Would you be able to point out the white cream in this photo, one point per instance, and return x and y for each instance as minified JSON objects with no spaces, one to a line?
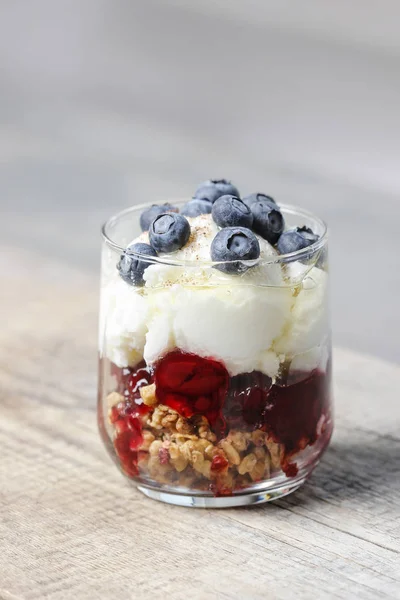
{"x":316,"y":358}
{"x":309,"y":316}
{"x":250,"y":322}
{"x":236,"y":325}
{"x":124,"y":316}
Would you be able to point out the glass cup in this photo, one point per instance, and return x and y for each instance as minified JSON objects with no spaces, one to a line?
{"x":214,"y":389}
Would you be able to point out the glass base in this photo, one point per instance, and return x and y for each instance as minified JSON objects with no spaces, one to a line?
{"x":263,"y":493}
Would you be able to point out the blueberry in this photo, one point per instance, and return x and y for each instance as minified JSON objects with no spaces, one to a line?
{"x":229,"y":211}
{"x":196,"y":207}
{"x":267,"y":220}
{"x":232,"y":243}
{"x":213,"y":189}
{"x":169,"y":232}
{"x":131,"y":267}
{"x":152,"y":212}
{"x":296,"y":239}
{"x":249,"y":200}
{"x":308,"y":234}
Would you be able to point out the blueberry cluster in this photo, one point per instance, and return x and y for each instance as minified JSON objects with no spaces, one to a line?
{"x":168,"y":231}
{"x":240,"y":220}
{"x":236,"y":242}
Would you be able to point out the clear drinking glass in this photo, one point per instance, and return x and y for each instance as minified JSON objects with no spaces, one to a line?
{"x":214,"y":390}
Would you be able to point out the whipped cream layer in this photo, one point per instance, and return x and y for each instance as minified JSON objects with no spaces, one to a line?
{"x":252,"y":321}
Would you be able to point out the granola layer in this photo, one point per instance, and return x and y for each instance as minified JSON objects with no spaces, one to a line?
{"x":185,"y":452}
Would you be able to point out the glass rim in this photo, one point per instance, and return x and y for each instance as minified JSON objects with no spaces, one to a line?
{"x":303,"y":253}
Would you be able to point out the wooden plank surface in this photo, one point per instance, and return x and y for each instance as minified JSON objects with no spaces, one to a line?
{"x":72,"y":527}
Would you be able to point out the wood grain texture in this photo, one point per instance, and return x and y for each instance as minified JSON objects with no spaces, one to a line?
{"x":72,"y":527}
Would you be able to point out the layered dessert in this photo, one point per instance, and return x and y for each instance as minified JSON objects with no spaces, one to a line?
{"x":214,"y":344}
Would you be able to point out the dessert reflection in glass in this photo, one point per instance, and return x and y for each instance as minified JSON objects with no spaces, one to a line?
{"x":215,"y":352}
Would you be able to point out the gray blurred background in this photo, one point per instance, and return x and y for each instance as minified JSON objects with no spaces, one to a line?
{"x":106,"y":103}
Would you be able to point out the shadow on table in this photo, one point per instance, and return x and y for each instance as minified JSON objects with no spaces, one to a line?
{"x":350,"y":470}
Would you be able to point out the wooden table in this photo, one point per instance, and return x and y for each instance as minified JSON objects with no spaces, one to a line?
{"x":72,"y":527}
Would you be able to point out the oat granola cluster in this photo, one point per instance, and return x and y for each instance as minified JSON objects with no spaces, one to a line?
{"x":179,"y":451}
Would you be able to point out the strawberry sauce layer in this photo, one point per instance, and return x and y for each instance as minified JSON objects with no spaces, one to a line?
{"x":125,"y":416}
{"x":290,"y":414}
